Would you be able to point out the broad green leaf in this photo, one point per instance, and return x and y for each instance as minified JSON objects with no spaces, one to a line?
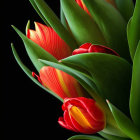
{"x":29,"y":73}
{"x":107,"y":72}
{"x":85,"y":137}
{"x":124,"y":123}
{"x":38,"y":11}
{"x":85,"y":80}
{"x":34,"y":51}
{"x":112,"y":25}
{"x":135,"y":89}
{"x":82,"y":26}
{"x":112,"y":137}
{"x":133,"y":29}
{"x":126,"y":8}
{"x":55,"y":23}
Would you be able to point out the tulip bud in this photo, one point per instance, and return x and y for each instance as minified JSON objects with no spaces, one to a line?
{"x":90,"y":48}
{"x":61,"y":83}
{"x":82,"y":115}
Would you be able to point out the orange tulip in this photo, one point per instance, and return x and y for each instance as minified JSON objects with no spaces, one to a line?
{"x":82,"y":115}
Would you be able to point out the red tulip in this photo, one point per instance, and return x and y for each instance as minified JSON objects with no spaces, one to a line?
{"x":90,"y":48}
{"x":49,"y":40}
{"x":61,"y":83}
{"x":82,"y":115}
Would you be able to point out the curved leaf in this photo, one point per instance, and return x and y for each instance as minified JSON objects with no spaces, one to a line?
{"x":124,"y":123}
{"x":34,"y":51}
{"x":135,"y":89}
{"x":133,"y":29}
{"x":107,"y":72}
{"x":126,"y":8}
{"x":29,"y":73}
{"x":112,"y":25}
{"x":55,"y":23}
{"x":38,"y":11}
{"x":82,"y":26}
{"x":85,"y":137}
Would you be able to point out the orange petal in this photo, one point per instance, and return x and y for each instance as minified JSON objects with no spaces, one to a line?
{"x":60,"y":82}
{"x":49,"y":40}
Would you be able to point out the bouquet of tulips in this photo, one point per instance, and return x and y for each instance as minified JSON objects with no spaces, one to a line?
{"x":90,"y":60}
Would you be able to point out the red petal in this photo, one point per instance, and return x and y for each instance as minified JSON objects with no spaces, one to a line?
{"x":102,"y":49}
{"x":60,"y":82}
{"x":49,"y":40}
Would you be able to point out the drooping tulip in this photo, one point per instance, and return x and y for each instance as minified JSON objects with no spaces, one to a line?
{"x":82,"y":115}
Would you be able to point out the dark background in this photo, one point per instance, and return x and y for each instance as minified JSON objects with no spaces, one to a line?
{"x":29,"y":112}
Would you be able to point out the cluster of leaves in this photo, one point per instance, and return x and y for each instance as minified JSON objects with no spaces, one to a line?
{"x":102,"y":75}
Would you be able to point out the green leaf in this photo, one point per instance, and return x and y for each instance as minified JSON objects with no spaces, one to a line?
{"x":82,"y":26}
{"x":124,"y":123}
{"x":85,"y":137}
{"x":84,"y":79}
{"x":29,"y":73}
{"x":126,"y":8}
{"x":38,"y":11}
{"x":133,"y":29}
{"x":112,"y":25}
{"x":27,"y":27}
{"x":34,"y":51}
{"x":107,"y":73}
{"x":135,"y":89}
{"x":55,"y":23}
{"x":112,"y":137}
{"x":62,"y":17}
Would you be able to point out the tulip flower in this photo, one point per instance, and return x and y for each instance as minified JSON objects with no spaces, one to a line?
{"x":82,"y":115}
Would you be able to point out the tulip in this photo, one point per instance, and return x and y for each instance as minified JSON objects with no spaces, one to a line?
{"x":49,"y":40}
{"x":82,"y":115}
{"x":90,"y":48}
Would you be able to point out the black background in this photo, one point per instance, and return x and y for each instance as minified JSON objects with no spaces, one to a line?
{"x":29,"y":112}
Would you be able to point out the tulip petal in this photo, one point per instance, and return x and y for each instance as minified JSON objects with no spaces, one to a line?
{"x":60,"y":82}
{"x":49,"y":40}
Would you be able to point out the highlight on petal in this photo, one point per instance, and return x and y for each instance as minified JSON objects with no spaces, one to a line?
{"x":90,"y":48}
{"x":82,"y":115}
{"x":60,"y":82}
{"x":49,"y":40}
{"x":82,"y":5}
